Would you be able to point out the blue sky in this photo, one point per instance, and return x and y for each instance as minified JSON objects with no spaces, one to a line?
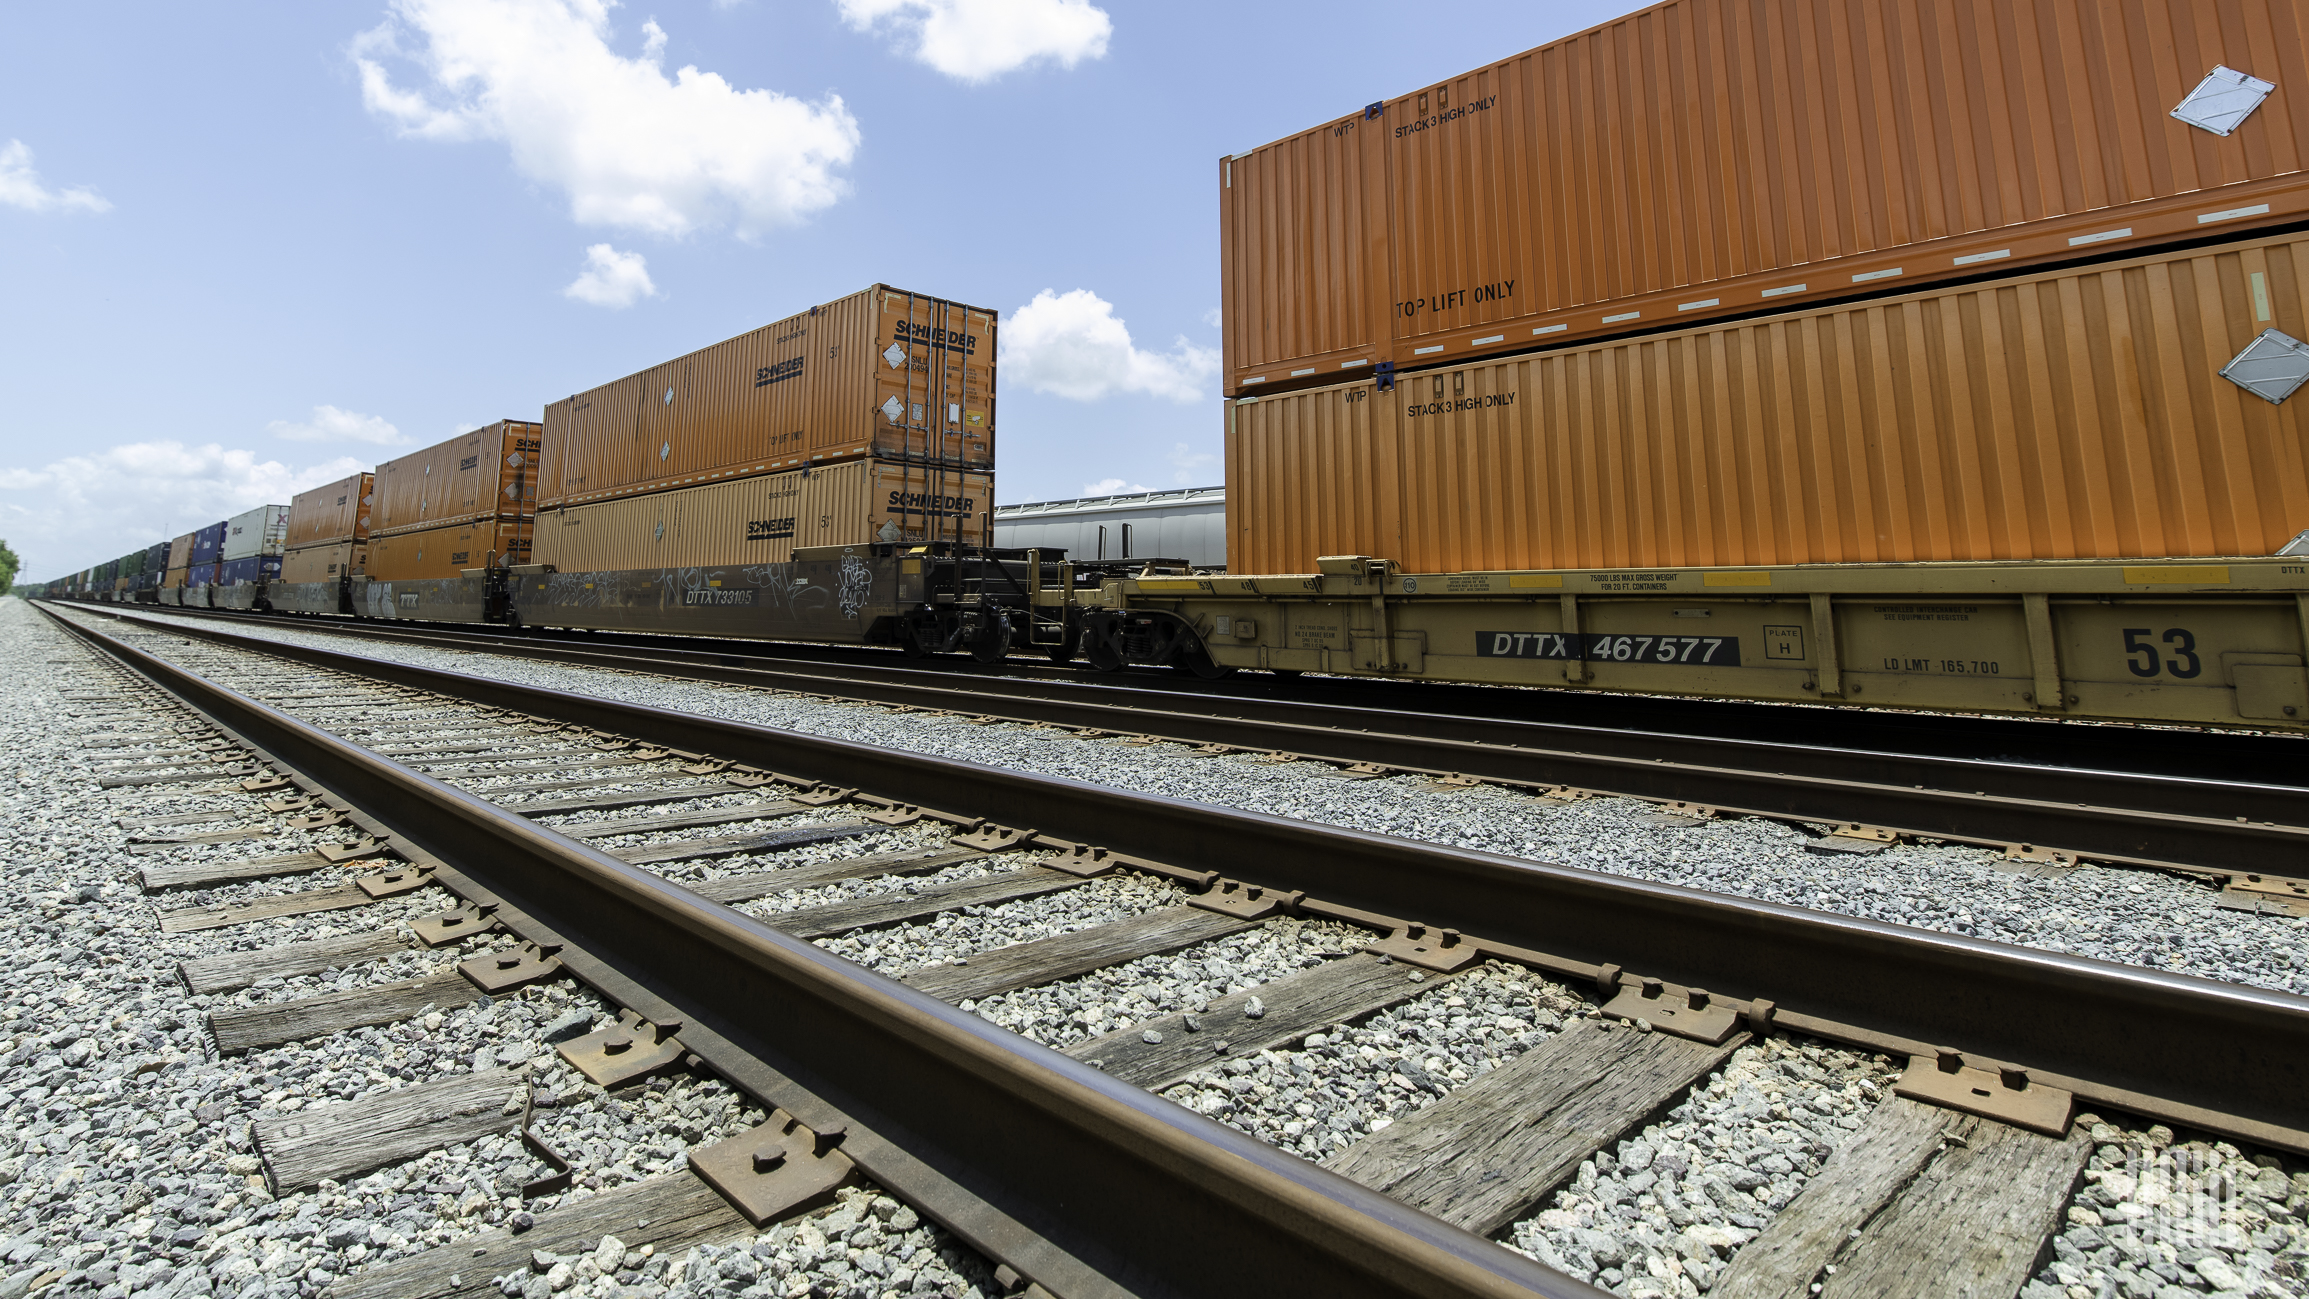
{"x":248,"y":249}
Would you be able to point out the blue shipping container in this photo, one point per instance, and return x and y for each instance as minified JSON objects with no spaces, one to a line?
{"x":201,"y":575}
{"x":255,"y":568}
{"x":206,"y":545}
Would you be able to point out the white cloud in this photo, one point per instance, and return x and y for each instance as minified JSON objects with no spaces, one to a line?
{"x":85,"y":509}
{"x":329,"y":424}
{"x":979,"y":40}
{"x":611,"y":279}
{"x":1190,"y":462}
{"x":20,"y":186}
{"x":1213,"y":318}
{"x":1113,"y":487}
{"x":1072,"y":345}
{"x":631,"y":147}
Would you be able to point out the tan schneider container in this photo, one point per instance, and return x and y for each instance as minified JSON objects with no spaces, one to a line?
{"x":1706,"y":158}
{"x":180,"y":552}
{"x":338,"y":511}
{"x":489,"y":471}
{"x":323,"y":563}
{"x":448,"y":551}
{"x":2056,"y":416}
{"x":880,"y":373}
{"x":171,"y":578}
{"x":761,"y":519}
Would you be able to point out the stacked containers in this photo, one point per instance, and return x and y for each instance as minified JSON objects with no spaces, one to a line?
{"x":328,"y":531}
{"x":469,"y":502}
{"x":866,"y":419}
{"x":2068,"y":411}
{"x":155,"y":566}
{"x":207,"y":550}
{"x":252,"y":546}
{"x":179,"y":560}
{"x":2061,"y":415}
{"x":1712,"y":158}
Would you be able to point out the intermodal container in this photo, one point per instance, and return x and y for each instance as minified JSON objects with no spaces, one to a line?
{"x":761,"y":519}
{"x":180,"y":551}
{"x":339,"y":511}
{"x":883,"y":372}
{"x":247,"y":569}
{"x":1711,"y":158}
{"x":208,"y":544}
{"x":448,"y":551}
{"x":323,"y":563}
{"x":488,"y":472}
{"x":172,"y":579}
{"x":201,"y":574}
{"x":155,"y":563}
{"x":2076,"y":414}
{"x":261,"y":531}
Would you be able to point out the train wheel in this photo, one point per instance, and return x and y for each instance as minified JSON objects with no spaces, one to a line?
{"x":992,"y":645}
{"x":1196,"y":659}
{"x":1067,"y":647}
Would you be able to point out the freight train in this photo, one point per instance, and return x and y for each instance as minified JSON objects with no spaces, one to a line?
{"x":1875,"y":391}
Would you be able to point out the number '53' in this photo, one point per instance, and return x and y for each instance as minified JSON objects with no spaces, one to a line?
{"x":2184,"y":662}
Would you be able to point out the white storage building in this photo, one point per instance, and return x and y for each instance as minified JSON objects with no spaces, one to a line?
{"x":1189,"y":523}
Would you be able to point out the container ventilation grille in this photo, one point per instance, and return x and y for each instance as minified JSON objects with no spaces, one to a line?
{"x":2271,"y":367}
{"x":2223,"y":100}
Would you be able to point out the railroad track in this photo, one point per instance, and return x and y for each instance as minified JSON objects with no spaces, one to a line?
{"x":2248,"y":837}
{"x":1056,"y":1166}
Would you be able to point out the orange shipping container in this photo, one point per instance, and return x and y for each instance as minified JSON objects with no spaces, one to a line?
{"x":883,"y":373}
{"x":761,"y":519}
{"x":339,"y":511}
{"x":180,"y":551}
{"x":2055,"y":416}
{"x":171,"y":578}
{"x":447,"y":551}
{"x":491,"y":470}
{"x":323,"y":563}
{"x":1705,"y":158}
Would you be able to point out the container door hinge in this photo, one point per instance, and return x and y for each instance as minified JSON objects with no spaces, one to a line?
{"x":778,"y":1169}
{"x":1692,"y":1013}
{"x":2004,"y":1093}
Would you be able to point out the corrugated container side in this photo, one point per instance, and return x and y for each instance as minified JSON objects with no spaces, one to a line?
{"x":248,"y":568}
{"x":1714,"y":157}
{"x":180,"y":551}
{"x":490,"y":470}
{"x":760,"y":519}
{"x":1302,"y":259}
{"x":338,"y":511}
{"x":208,"y":543}
{"x":261,"y":531}
{"x":438,"y":552}
{"x":1311,"y":469}
{"x":2056,"y":416}
{"x":323,"y":563}
{"x":882,"y":372}
{"x":201,"y":574}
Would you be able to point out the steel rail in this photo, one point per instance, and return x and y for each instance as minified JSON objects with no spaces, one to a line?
{"x":2221,"y":828}
{"x":1085,"y":1185}
{"x":2215,"y":1056}
{"x":2219,"y":754}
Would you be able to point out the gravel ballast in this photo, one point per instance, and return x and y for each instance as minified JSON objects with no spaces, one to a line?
{"x":1720,"y":1164}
